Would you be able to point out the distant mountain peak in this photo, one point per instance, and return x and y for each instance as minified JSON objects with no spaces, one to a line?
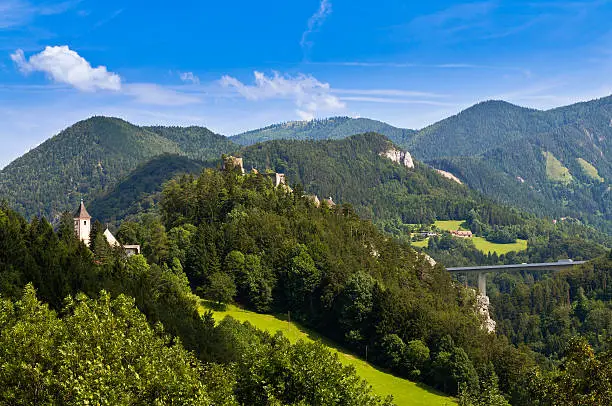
{"x":320,"y":129}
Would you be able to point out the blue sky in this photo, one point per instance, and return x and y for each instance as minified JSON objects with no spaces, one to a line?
{"x":239,"y":65}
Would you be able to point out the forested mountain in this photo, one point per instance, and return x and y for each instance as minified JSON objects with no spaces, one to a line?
{"x":90,"y":157}
{"x":352,"y":170}
{"x":556,"y":162}
{"x":330,"y":128}
{"x":393,"y":196}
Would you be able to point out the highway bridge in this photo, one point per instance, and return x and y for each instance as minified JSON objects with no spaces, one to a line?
{"x":483,"y":270}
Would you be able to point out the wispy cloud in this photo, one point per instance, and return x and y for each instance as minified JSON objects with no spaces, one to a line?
{"x":189,"y":77}
{"x":392,"y":100}
{"x":364,"y":64}
{"x":153,"y":94}
{"x":309,"y":95}
{"x":388,"y":93}
{"x":454,"y":19}
{"x":107,"y":20}
{"x":16,"y":13}
{"x":314,"y":23}
{"x":64,"y":65}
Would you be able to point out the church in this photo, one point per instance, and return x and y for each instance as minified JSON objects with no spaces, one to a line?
{"x":82,"y":229}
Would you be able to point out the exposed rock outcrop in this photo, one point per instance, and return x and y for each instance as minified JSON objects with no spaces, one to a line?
{"x":483,"y":308}
{"x":449,"y":175}
{"x":400,"y":157}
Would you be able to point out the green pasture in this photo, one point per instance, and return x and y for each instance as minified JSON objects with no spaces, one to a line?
{"x":405,"y":392}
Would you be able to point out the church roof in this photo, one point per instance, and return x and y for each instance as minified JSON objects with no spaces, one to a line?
{"x":81,"y":212}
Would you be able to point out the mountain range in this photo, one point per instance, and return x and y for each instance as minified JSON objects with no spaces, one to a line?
{"x":555,"y":163}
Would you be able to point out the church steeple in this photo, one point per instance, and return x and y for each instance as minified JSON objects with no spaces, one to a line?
{"x":81,"y":212}
{"x":82,"y":223}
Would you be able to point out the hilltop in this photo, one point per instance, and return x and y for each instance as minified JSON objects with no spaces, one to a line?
{"x":89,"y":158}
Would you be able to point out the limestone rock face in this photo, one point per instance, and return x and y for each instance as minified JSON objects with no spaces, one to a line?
{"x":400,"y":157}
{"x":483,"y":308}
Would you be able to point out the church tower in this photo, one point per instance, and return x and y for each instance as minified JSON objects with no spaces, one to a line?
{"x":82,"y":224}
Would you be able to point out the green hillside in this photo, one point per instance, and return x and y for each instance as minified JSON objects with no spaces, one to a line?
{"x":330,"y":128}
{"x":497,"y":148}
{"x":555,"y":170}
{"x":87,"y":160}
{"x":590,"y":170}
{"x":139,"y":191}
{"x":351,"y":170}
{"x":404,"y":392}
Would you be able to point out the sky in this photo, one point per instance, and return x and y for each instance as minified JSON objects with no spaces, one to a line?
{"x":238,"y":65}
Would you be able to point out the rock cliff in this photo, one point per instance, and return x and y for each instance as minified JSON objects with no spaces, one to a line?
{"x":400,"y":157}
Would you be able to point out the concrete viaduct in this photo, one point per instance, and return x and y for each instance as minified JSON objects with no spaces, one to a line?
{"x":483,"y":270}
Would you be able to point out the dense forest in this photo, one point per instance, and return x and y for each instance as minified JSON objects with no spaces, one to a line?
{"x":394,"y":197}
{"x":233,"y":237}
{"x":353,"y":171}
{"x":273,"y":251}
{"x":140,"y":191}
{"x":82,"y":327}
{"x":551,"y":163}
{"x":554,"y":162}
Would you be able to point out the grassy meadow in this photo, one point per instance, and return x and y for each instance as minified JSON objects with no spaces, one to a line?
{"x":405,"y":392}
{"x":480,"y":243}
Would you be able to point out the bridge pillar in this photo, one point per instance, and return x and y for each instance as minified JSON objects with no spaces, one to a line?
{"x":482,"y":283}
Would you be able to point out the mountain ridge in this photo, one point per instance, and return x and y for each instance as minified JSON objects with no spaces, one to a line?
{"x":90,"y":157}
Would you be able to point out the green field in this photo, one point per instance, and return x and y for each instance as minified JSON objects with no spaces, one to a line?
{"x":555,"y":170}
{"x":590,"y":170}
{"x":450,"y":225}
{"x":420,"y":244}
{"x":405,"y":393}
{"x":480,"y":243}
{"x":486,"y":246}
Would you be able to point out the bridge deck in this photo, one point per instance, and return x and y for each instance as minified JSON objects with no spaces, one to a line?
{"x":543,"y":266}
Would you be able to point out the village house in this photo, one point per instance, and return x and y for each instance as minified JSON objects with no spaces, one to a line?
{"x":462,"y":233}
{"x":82,"y":229}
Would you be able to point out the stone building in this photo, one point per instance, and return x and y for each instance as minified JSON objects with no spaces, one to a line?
{"x":230,"y":162}
{"x":82,"y":229}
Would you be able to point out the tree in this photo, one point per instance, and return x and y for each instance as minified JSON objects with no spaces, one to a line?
{"x":302,"y":276}
{"x":453,"y":371}
{"x":416,"y":356}
{"x":221,"y":288}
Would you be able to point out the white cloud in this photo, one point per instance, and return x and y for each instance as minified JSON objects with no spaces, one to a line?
{"x":64,"y":65}
{"x":189,"y":77}
{"x":309,"y":95}
{"x":315,"y":22}
{"x":150,"y":93}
